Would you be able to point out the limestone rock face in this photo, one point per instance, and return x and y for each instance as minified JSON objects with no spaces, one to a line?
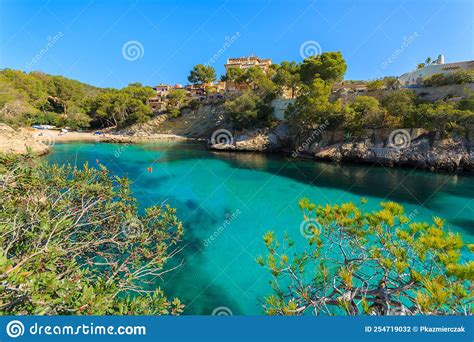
{"x":427,"y":151}
{"x":258,"y":140}
{"x":424,"y":149}
{"x":282,"y":132}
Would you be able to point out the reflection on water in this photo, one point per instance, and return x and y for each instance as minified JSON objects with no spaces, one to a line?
{"x":416,"y":186}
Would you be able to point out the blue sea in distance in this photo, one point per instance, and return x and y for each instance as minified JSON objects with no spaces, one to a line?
{"x":255,"y":193}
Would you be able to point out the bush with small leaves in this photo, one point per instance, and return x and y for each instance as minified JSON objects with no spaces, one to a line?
{"x":72,"y":242}
{"x":374,"y":263}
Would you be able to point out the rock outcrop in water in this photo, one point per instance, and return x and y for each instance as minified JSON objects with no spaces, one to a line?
{"x":422,"y":149}
{"x":259,"y":140}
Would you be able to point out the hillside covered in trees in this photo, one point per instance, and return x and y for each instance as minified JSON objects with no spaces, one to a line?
{"x":38,"y":98}
{"x":312,"y":85}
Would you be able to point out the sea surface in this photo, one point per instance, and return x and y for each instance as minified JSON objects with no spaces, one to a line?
{"x":227,"y":201}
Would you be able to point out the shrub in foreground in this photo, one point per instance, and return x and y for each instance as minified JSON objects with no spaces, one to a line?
{"x":72,"y":242}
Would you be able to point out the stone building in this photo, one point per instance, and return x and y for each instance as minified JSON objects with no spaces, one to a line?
{"x":248,"y":62}
{"x":245,"y":63}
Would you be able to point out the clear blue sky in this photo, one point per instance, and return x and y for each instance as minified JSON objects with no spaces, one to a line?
{"x":175,"y":35}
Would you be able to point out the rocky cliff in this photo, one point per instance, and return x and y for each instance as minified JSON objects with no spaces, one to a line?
{"x":419,"y":148}
{"x":198,"y":123}
{"x":405,"y":147}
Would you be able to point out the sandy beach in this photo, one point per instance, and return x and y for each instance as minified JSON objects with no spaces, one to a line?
{"x":52,"y":136}
{"x":20,"y":141}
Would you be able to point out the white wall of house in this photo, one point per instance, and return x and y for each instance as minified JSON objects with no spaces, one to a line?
{"x":279,"y":106}
{"x":415,"y":78}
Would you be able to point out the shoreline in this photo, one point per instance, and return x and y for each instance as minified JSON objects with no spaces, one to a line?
{"x":425,"y":149}
{"x":52,"y":136}
{"x":23,"y":140}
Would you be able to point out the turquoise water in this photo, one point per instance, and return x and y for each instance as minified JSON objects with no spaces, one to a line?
{"x":255,"y":193}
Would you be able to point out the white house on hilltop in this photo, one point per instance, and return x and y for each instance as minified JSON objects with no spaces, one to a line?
{"x":415,"y":78}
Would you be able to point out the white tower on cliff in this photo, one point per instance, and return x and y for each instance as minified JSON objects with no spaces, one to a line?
{"x":440,"y":59}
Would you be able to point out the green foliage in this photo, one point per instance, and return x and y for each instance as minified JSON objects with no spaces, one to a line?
{"x":252,"y":107}
{"x":467,"y":103}
{"x":120,"y":108}
{"x":429,"y":61}
{"x":375,"y":85}
{"x":313,"y":79}
{"x":443,"y":116}
{"x":38,"y":98}
{"x":329,"y":66}
{"x":235,"y":75}
{"x":312,"y":106}
{"x":31,"y":85}
{"x":458,"y":77}
{"x":72,"y":242}
{"x":380,"y":262}
{"x":42,"y":118}
{"x":365,"y":112}
{"x":253,"y":76}
{"x":176,"y":97}
{"x":434,"y":80}
{"x":401,"y":108}
{"x":139,"y":92}
{"x":176,"y":100}
{"x":266,"y":89}
{"x":248,"y":110}
{"x":365,"y":105}
{"x":390,"y":82}
{"x":287,"y":76}
{"x":202,"y":74}
{"x":77,"y":118}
